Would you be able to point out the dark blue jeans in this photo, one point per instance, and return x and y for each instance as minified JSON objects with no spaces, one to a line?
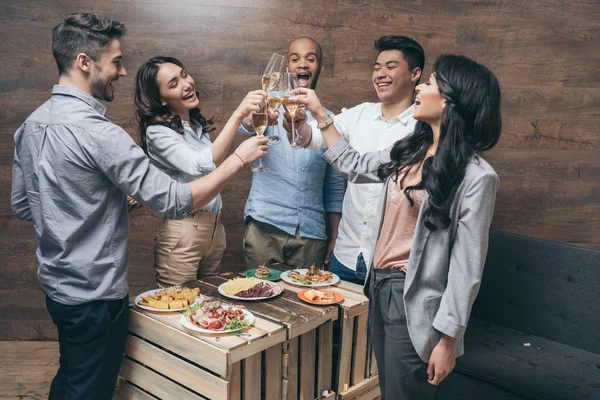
{"x":91,"y":339}
{"x":346,"y":273}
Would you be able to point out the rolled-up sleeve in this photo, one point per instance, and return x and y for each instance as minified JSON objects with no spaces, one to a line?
{"x":18,"y":197}
{"x":342,"y":123}
{"x":126,"y":165}
{"x":352,"y":165}
{"x":333,"y":190}
{"x":168,"y":148}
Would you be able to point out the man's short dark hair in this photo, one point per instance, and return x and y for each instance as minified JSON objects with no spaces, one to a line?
{"x":413,"y":53}
{"x":82,"y":33}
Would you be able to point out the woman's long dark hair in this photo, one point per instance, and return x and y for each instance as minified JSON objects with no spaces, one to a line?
{"x":470,"y":123}
{"x":149,"y":108}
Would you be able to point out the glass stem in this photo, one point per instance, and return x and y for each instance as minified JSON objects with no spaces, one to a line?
{"x":293,"y":133}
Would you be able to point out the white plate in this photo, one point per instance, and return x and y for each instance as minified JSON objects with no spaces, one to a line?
{"x":139,"y":297}
{"x":286,"y":278}
{"x":188,"y":324}
{"x":278,"y":290}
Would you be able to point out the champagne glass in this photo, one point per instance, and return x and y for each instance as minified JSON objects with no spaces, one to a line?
{"x":259,"y":121}
{"x":272,"y":72}
{"x":289,"y":102}
{"x":275,"y":97}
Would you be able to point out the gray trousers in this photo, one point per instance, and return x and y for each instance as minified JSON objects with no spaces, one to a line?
{"x":402,"y":373}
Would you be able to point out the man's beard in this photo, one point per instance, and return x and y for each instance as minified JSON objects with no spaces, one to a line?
{"x":100,"y":87}
{"x":315,"y":79}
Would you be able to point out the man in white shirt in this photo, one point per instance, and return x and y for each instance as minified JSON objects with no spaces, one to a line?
{"x":372,"y":127}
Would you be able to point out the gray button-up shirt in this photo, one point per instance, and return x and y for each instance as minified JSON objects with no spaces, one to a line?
{"x":72,"y":168}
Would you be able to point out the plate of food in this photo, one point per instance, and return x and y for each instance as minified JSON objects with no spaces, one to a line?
{"x":174,"y":298}
{"x":216,"y":317}
{"x":320,"y":297}
{"x":311,"y":277}
{"x":250,"y":289}
{"x":263,"y":272}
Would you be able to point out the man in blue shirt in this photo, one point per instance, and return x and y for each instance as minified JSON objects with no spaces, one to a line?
{"x":293,"y":204}
{"x":72,"y":167}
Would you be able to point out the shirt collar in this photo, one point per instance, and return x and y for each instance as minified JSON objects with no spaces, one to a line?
{"x":404,"y":118}
{"x":188,"y":127}
{"x":81,"y":95}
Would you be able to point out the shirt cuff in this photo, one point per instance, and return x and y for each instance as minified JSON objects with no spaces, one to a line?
{"x":184,"y":200}
{"x":335,"y":151}
{"x":205,"y":162}
{"x":334,"y":207}
{"x":316,"y":141}
{"x":446,"y":325}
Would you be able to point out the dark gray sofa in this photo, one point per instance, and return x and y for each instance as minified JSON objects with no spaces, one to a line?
{"x":535,"y":327}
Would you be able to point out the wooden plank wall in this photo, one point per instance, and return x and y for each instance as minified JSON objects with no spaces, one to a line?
{"x":543,"y":51}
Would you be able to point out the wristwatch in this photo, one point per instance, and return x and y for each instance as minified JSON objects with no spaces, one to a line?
{"x":325,"y":123}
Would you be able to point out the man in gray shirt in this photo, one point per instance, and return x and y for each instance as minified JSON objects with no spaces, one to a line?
{"x":72,"y":168}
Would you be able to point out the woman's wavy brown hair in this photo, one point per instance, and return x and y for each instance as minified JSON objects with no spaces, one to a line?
{"x":149,"y":108}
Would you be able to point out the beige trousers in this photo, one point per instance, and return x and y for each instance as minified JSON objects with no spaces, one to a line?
{"x":188,"y":249}
{"x":266,"y":244}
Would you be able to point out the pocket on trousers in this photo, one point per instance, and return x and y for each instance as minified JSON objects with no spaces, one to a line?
{"x":168,"y":237}
{"x":393,"y":291}
{"x":114,"y":309}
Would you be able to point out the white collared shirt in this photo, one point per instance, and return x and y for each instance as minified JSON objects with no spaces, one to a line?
{"x":365,"y":129}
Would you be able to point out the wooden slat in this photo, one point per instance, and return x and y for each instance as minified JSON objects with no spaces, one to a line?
{"x":252,"y":377}
{"x":204,"y":354}
{"x":177,"y":369}
{"x":127,"y":391}
{"x":374,"y":394}
{"x":235,"y":380}
{"x":359,"y":358}
{"x":368,"y":385}
{"x":373,"y":364}
{"x":154,"y":383}
{"x":325,"y":357}
{"x":308,"y":344}
{"x":290,"y":366}
{"x":273,"y":373}
{"x":345,"y":354}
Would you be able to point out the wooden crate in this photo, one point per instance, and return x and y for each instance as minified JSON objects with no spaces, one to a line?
{"x":266,"y":361}
{"x":355,"y":368}
{"x":306,"y":355}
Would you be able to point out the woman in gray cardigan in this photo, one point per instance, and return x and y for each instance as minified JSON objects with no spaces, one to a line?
{"x":428,"y":260}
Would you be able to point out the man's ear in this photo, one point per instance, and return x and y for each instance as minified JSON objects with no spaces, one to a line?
{"x":83,"y":62}
{"x":416,"y":74}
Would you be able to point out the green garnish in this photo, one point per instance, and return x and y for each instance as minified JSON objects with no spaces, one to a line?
{"x":236,"y":324}
{"x":309,"y":282}
{"x":190,"y":309}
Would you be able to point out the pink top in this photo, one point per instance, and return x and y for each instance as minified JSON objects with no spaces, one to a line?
{"x":396,"y":235}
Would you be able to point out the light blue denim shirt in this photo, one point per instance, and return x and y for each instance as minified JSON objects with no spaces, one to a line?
{"x":71,"y":170}
{"x":297,"y":191}
{"x":184,"y":157}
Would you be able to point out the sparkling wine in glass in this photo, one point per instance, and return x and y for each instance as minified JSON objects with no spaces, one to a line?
{"x":274,"y":98}
{"x":290,"y":103}
{"x":260,"y":121}
{"x":272,"y":72}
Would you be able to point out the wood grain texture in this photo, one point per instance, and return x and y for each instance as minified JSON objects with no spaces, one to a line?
{"x":544,"y":53}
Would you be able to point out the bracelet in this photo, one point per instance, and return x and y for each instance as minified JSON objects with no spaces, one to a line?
{"x":241,"y":159}
{"x":325,"y":123}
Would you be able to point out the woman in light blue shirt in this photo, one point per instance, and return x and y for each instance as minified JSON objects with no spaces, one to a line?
{"x":174,"y":135}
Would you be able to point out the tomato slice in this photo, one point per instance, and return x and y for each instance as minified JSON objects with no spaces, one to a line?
{"x":216,"y":325}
